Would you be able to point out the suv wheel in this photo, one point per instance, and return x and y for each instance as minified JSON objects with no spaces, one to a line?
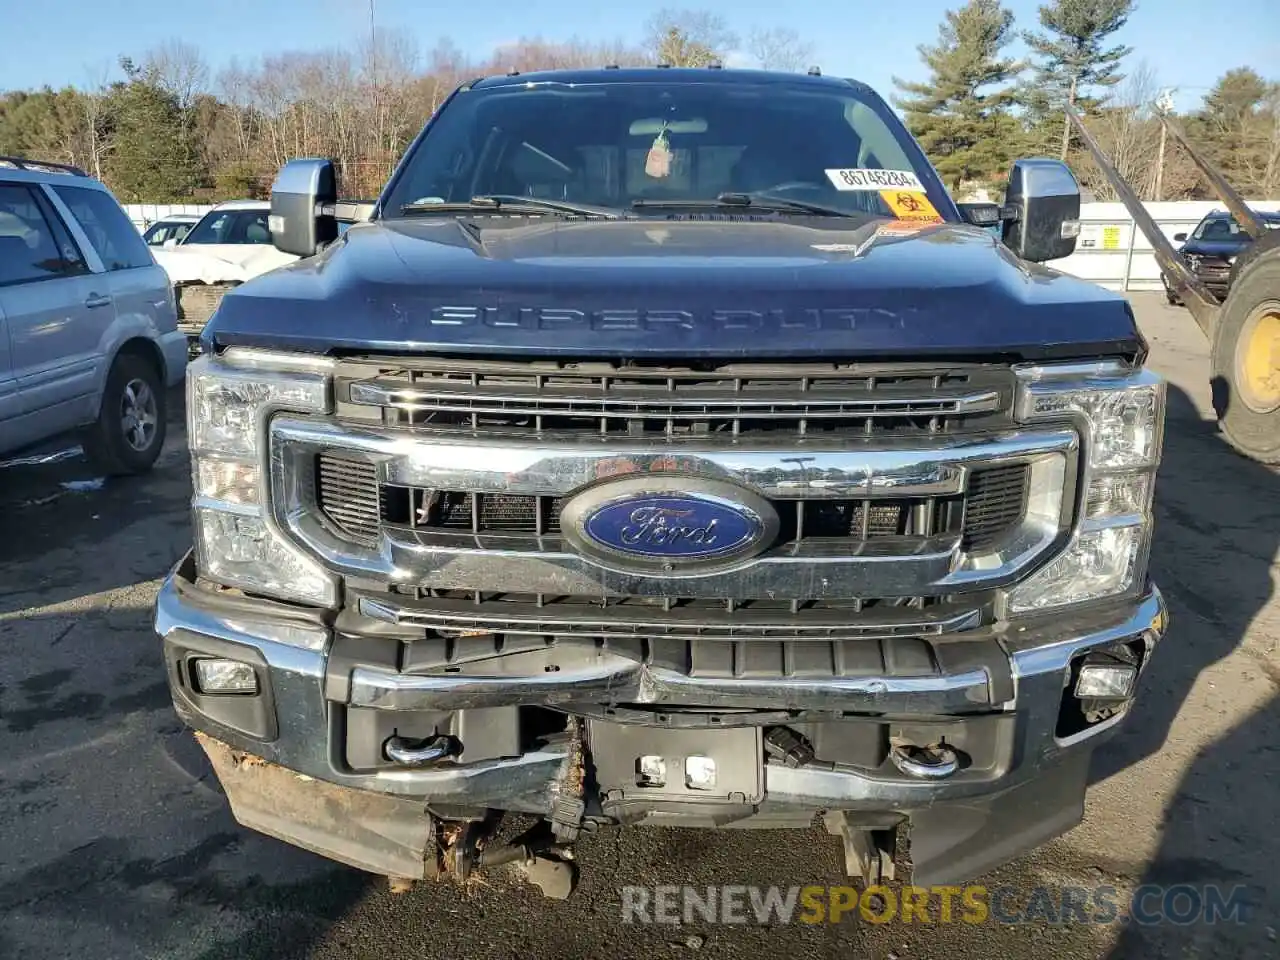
{"x":131,"y":425}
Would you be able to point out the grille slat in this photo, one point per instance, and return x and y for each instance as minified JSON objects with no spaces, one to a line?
{"x":348,"y":494}
{"x":460,"y":612}
{"x":995,"y":504}
{"x":735,"y":399}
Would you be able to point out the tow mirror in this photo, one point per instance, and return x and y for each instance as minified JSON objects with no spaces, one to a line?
{"x":300,"y":223}
{"x":1046,"y":198}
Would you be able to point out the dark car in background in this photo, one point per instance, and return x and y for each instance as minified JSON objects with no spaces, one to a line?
{"x":1212,"y":248}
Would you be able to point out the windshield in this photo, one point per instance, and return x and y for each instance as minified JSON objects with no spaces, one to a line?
{"x":164,"y":230}
{"x":231,"y":226}
{"x":613,"y":144}
{"x":1227,"y":228}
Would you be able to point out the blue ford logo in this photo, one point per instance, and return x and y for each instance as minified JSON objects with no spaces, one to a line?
{"x":672,"y":526}
{"x":682,"y":523}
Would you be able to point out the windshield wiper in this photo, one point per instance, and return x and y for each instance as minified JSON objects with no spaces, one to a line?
{"x":750,"y":201}
{"x":510,"y":203}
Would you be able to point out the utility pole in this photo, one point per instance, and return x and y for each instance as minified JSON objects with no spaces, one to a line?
{"x":1164,"y":106}
{"x":373,"y":81}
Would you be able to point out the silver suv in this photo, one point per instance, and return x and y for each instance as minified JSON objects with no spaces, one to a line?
{"x":88,"y":328}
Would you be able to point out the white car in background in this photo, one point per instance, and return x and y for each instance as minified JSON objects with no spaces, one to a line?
{"x":230,"y":244}
{"x":169,"y":230}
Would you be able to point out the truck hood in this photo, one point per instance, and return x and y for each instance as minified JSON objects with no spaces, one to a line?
{"x":742,"y":288}
{"x":220,"y":262}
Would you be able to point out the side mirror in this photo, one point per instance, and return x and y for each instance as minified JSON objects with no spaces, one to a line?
{"x":170,"y":243}
{"x":1047,"y":200}
{"x":298,"y":222}
{"x":1179,"y":237}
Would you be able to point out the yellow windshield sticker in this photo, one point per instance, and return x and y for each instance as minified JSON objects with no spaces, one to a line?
{"x":911,"y":206}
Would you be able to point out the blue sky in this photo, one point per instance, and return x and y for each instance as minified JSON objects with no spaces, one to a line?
{"x":1188,"y":43}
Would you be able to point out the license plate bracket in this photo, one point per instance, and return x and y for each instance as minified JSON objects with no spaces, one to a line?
{"x":737,"y":755}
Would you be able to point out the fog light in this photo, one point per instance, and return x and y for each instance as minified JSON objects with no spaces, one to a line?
{"x":225,"y":676}
{"x":1111,"y":681}
{"x":651,"y":772}
{"x":699,"y":773}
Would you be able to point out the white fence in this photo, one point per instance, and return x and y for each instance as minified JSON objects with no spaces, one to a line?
{"x":1112,"y":253}
{"x":144,"y":215}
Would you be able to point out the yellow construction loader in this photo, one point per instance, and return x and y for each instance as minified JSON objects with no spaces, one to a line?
{"x":1244,"y":329}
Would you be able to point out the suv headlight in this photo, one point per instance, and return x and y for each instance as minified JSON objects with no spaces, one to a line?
{"x":229,"y":401}
{"x":1120,"y":414}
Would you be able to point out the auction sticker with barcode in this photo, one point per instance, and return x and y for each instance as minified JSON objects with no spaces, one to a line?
{"x":855,"y":179}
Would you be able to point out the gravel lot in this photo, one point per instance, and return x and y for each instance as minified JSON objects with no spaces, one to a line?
{"x":109,"y":848}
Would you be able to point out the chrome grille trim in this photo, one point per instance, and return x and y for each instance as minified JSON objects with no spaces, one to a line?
{"x":650,"y":404}
{"x":690,"y":625}
{"x":830,"y":466}
{"x":833,"y":468}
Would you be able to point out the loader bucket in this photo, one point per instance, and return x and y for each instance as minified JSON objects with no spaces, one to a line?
{"x":1200,"y":301}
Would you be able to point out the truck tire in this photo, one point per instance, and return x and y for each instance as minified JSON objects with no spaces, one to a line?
{"x":129,"y":432}
{"x":1270,"y":241}
{"x":1246,"y":361}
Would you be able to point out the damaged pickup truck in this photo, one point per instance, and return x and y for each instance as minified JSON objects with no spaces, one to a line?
{"x":666,"y":448}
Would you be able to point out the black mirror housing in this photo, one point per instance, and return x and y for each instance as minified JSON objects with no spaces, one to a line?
{"x":1046,"y":197}
{"x":1179,"y":238}
{"x":981,"y":214}
{"x":298,"y":223}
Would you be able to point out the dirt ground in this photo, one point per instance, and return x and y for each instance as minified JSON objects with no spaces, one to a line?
{"x":109,"y":847}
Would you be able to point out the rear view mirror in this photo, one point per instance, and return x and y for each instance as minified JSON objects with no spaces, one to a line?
{"x":1179,"y":237}
{"x":1046,"y":198}
{"x":652,"y":126}
{"x":298,"y":223}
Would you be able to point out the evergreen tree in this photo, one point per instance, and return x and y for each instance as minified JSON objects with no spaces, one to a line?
{"x":960,"y":113}
{"x":1239,"y":127}
{"x":152,"y":158}
{"x":1072,"y":59}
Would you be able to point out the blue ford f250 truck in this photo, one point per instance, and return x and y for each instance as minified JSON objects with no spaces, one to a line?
{"x":667,"y":447}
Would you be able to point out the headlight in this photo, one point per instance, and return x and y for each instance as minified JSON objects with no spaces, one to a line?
{"x":1120,"y":413}
{"x":229,"y":400}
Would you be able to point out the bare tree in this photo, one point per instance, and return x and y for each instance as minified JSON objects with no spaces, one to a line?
{"x":97,"y":129}
{"x":779,"y":48}
{"x":179,"y":68}
{"x":1270,"y":181}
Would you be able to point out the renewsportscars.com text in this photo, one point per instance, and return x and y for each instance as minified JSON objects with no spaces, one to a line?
{"x":970,"y":904}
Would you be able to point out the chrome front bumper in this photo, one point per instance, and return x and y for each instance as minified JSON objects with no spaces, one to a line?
{"x":960,"y":825}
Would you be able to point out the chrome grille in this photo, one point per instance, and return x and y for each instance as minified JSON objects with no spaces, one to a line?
{"x":639,"y":400}
{"x":944,"y":499}
{"x":349,"y":494}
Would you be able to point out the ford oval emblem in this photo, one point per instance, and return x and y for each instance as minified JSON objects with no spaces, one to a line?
{"x":672,"y":524}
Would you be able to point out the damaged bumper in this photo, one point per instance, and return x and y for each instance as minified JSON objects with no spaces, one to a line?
{"x":303,"y":754}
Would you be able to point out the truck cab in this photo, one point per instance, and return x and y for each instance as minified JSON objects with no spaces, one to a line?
{"x":667,"y":447}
